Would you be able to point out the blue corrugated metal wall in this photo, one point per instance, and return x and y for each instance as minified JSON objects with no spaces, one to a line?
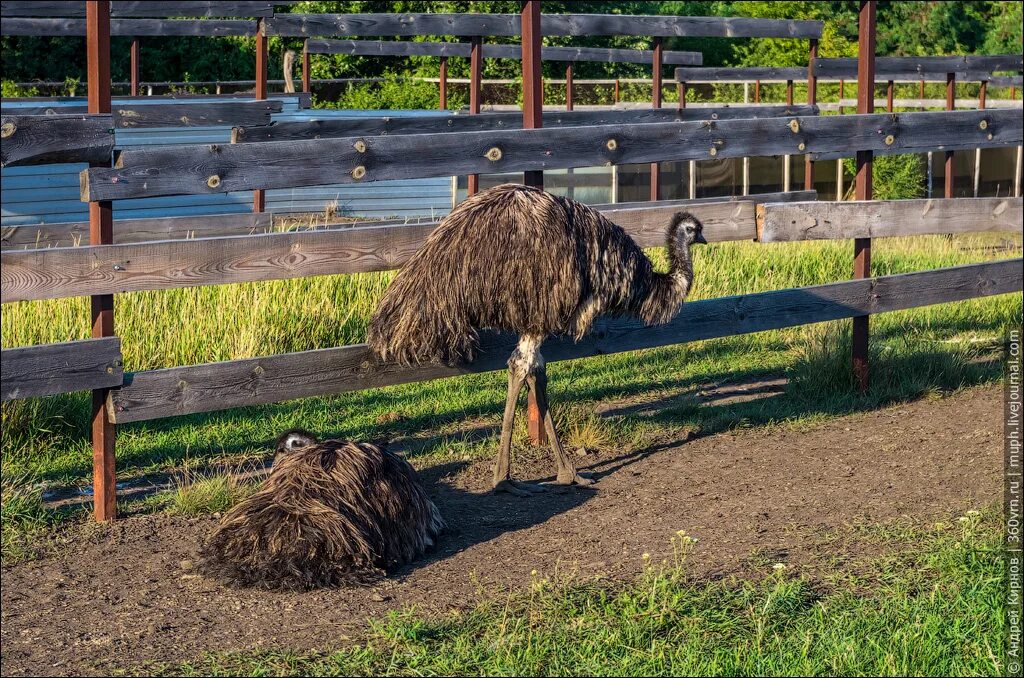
{"x":49,"y":193}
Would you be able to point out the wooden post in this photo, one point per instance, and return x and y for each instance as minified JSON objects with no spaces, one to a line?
{"x":889,"y":91}
{"x":862,"y":246}
{"x":101,"y":232}
{"x":950,"y":104}
{"x":442,"y":84}
{"x":757,"y":91}
{"x":616,"y":98}
{"x":656,"y":103}
{"x":570,"y":177}
{"x":787,"y":160}
{"x":692,"y":165}
{"x":533,"y":111}
{"x":812,"y":99}
{"x":746,"y":160}
{"x":134,"y":69}
{"x":977,"y":152}
{"x":259,"y":198}
{"x":305,"y":66}
{"x":475,"y":74}
{"x":840,"y":189}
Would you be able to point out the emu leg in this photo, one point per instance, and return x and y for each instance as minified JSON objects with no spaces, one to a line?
{"x":503,"y":481}
{"x":565,"y":470}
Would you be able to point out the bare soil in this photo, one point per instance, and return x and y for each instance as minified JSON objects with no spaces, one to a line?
{"x":122,"y":595}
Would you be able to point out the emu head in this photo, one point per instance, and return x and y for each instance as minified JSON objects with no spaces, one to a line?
{"x":292,"y":440}
{"x":685,"y":230}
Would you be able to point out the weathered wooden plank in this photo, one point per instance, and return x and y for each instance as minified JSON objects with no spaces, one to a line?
{"x":1006,"y":80}
{"x":150,"y":8}
{"x":319,"y":129}
{"x":218,"y":168}
{"x":322,"y":25}
{"x":726,"y":74}
{"x":74,"y":234}
{"x":110,"y":269}
{"x":462,"y":49}
{"x":890,"y":67}
{"x":219,"y":386}
{"x":782,"y":196}
{"x":67,"y":367}
{"x":132,"y":27}
{"x":45,"y":105}
{"x":778,"y":222}
{"x":40,"y":139}
{"x":129,"y":116}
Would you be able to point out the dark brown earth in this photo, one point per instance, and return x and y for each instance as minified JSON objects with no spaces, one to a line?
{"x":119,"y":596}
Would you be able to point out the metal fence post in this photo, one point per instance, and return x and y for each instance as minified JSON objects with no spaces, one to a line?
{"x":862,"y":246}
{"x":101,"y":232}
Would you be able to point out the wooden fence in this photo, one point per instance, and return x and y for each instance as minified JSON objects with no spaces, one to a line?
{"x":122,"y":258}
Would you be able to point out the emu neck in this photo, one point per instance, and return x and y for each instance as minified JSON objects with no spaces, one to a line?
{"x":666,"y":291}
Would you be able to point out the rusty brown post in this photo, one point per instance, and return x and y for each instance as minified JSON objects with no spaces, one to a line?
{"x":568,"y":86}
{"x":442,"y":83}
{"x":889,"y":87}
{"x":97,"y":32}
{"x":842,"y":94}
{"x":950,"y":105}
{"x":787,"y":161}
{"x":134,"y":69}
{"x":862,"y":246}
{"x":812,"y":99}
{"x":977,"y":152}
{"x":757,"y":91}
{"x":305,"y":66}
{"x":259,"y":197}
{"x":616,"y":96}
{"x":475,"y":74}
{"x":533,"y":111}
{"x":656,"y":103}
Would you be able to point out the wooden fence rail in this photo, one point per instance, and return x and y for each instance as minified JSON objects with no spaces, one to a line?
{"x":49,"y":369}
{"x":42,"y":139}
{"x":139,"y":28}
{"x":149,"y":8}
{"x":886,"y":68}
{"x":777,"y":222}
{"x":378,"y":126}
{"x":218,"y":386}
{"x":222,"y":168}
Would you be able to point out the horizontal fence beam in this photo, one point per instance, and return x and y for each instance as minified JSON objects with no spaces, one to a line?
{"x":725,"y":74}
{"x":377,"y":126}
{"x":139,"y":28}
{"x":50,"y":369}
{"x":110,"y":269}
{"x":779,"y":222}
{"x":149,"y":8}
{"x":42,"y":139}
{"x":182,"y":114}
{"x":356,"y":25}
{"x":74,"y":234}
{"x":208,"y":169}
{"x":220,"y":386}
{"x":886,"y":67}
{"x":175,"y":102}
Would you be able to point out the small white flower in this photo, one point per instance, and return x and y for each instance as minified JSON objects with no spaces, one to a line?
{"x":778,"y":567}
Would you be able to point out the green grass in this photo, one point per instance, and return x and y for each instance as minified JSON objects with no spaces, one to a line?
{"x":197,"y":494}
{"x":917,"y":352}
{"x":932,"y":604}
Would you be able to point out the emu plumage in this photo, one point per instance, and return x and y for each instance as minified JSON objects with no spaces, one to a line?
{"x":518,"y":259}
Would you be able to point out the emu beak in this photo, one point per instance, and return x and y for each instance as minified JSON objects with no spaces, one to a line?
{"x":699,"y":240}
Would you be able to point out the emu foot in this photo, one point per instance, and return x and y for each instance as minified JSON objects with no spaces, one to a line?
{"x":573,"y":478}
{"x":517,"y":488}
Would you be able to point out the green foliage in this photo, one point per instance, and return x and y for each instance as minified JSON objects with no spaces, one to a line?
{"x":393,"y":94}
{"x":8,"y":88}
{"x":895,"y":177}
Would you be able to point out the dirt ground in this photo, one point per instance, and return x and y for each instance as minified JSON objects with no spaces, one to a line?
{"x":122,"y":595}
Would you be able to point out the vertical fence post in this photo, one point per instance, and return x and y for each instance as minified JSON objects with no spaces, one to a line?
{"x":812,"y":99}
{"x":746,"y":160}
{"x":862,"y":246}
{"x":787,"y":160}
{"x":656,"y":103}
{"x":950,"y":105}
{"x":570,"y":175}
{"x":533,"y":111}
{"x":442,"y":84}
{"x":840,"y":189}
{"x":890,"y":87}
{"x":475,"y":74}
{"x":259,"y":198}
{"x":134,"y":69}
{"x":692,"y":164}
{"x":97,"y":31}
{"x":977,"y":152}
{"x":305,"y":66}
{"x":616,"y":96}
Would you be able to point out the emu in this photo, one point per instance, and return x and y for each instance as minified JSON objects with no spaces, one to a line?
{"x":517,"y":259}
{"x":330,"y":513}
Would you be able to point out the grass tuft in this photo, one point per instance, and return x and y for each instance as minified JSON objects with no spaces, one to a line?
{"x":198,"y":494}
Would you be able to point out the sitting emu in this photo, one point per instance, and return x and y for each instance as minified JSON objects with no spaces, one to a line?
{"x":330,"y":513}
{"x":517,"y":259}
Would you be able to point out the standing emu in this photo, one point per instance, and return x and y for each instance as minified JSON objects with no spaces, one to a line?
{"x":330,"y":513}
{"x":517,"y":259}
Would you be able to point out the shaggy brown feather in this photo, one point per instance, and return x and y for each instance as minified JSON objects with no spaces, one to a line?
{"x":516,"y":258}
{"x":330,"y":513}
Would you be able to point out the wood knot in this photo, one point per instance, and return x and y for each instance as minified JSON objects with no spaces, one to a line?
{"x":889,"y":139}
{"x":359,"y":172}
{"x":794,"y":125}
{"x":493,"y":154}
{"x":983,"y":124}
{"x":801,"y":146}
{"x":213,"y":182}
{"x":7,"y":130}
{"x":612,"y":144}
{"x":713,"y":151}
{"x":360,"y":146}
